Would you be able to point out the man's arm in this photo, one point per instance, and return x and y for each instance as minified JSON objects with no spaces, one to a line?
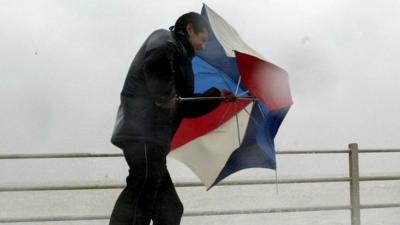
{"x":198,"y":108}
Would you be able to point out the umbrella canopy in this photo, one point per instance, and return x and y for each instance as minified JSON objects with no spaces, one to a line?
{"x":236,"y":135}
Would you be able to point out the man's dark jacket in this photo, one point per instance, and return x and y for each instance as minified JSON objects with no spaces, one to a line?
{"x":161,"y":70}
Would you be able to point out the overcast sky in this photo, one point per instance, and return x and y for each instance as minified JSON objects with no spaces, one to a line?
{"x":63,"y":64}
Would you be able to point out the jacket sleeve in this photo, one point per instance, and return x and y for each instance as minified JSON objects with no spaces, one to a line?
{"x":159,"y":72}
{"x":194,"y":109}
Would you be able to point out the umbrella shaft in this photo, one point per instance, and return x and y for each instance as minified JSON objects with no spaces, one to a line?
{"x":216,"y":98}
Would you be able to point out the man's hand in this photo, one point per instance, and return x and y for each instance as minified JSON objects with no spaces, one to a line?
{"x":229,"y":96}
{"x":168,"y":105}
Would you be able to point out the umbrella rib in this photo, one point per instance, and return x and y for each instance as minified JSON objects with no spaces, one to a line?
{"x":237,"y":125}
{"x":243,"y":93}
{"x":237,"y":86}
{"x":258,"y":125}
{"x":223,"y":116}
{"x":237,"y":118}
{"x":220,"y":72}
{"x":262,"y":112}
{"x":224,"y":79}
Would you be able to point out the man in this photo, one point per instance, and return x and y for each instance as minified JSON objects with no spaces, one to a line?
{"x":149,"y":115}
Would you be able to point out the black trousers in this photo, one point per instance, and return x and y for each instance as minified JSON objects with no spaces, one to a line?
{"x":149,"y":193}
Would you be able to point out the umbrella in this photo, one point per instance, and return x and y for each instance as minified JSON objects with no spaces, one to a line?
{"x":237,"y":135}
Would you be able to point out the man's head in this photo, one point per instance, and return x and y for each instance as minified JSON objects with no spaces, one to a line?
{"x":195,"y":29}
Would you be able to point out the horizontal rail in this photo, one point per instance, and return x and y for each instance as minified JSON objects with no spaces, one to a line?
{"x":202,"y":213}
{"x":178,"y":184}
{"x":297,"y":152}
{"x":186,"y":214}
{"x":380,"y":206}
{"x":96,"y":155}
{"x":195,"y":184}
{"x":379,"y":178}
{"x":262,"y":211}
{"x":59,"y":155}
{"x":288,"y":210}
{"x":53,"y":219}
{"x":337,"y":151}
{"x":379,"y":150}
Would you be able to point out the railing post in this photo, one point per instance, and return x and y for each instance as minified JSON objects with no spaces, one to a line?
{"x":354,"y":184}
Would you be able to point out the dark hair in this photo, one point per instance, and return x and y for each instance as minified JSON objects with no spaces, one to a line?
{"x":199,"y":23}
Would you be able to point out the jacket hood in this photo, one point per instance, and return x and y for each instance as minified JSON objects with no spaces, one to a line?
{"x":181,"y":36}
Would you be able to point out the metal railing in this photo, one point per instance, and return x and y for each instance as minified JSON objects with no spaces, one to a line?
{"x":353,"y":178}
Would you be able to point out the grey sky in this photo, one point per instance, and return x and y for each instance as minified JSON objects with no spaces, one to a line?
{"x":63,"y":64}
